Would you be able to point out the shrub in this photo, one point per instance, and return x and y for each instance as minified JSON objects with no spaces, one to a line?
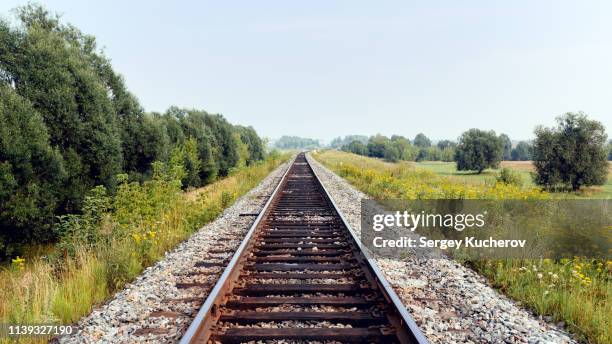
{"x":509,"y":176}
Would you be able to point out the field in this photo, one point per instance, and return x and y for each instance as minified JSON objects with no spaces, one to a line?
{"x":105,"y":249}
{"x":577,"y":292}
{"x":524,"y":168}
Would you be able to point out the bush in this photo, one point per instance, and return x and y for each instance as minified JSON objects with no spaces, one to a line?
{"x":509,"y":177}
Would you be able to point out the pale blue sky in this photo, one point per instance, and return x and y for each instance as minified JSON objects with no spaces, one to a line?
{"x":327,"y":68}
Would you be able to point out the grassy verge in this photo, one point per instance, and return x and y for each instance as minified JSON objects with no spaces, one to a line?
{"x":575,"y":291}
{"x":112,"y":242}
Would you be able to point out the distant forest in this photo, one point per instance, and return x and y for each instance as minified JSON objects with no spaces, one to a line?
{"x":420,"y":148}
{"x":294,"y":142}
{"x":68,"y":123}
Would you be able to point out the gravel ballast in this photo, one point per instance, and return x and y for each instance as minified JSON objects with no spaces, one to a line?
{"x":449,"y":302}
{"x":161,"y":303}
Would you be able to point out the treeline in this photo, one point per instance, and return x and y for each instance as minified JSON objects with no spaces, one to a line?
{"x":340,"y":142}
{"x":295,"y":142}
{"x":571,"y":155}
{"x":419,"y":149}
{"x":68,"y":123}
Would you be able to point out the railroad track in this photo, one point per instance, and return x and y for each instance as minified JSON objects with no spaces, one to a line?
{"x":299,"y":275}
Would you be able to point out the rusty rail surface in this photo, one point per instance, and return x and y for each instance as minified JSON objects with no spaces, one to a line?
{"x":301,"y":272}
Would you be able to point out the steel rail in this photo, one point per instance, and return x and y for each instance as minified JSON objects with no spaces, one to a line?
{"x":209,"y":308}
{"x":384,"y":284}
{"x":403,"y":328}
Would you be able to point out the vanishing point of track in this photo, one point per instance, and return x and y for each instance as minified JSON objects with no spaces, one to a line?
{"x":300,"y":275}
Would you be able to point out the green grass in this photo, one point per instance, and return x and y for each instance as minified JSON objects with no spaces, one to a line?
{"x":449,"y":169}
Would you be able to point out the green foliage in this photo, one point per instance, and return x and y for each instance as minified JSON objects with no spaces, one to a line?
{"x":391,"y":152}
{"x":509,"y":176}
{"x":507,"y":146}
{"x":84,"y":230}
{"x":68,"y":123}
{"x":571,"y":155}
{"x":339,"y":142}
{"x":356,"y":147}
{"x":255,"y":145}
{"x":191,"y":162}
{"x":405,"y":150}
{"x":376,"y":146}
{"x":445,"y":144}
{"x":294,"y":142}
{"x":478,"y":150}
{"x":399,"y":148}
{"x":420,"y":140}
{"x":226,"y":148}
{"x":31,"y":174}
{"x":522,"y":152}
{"x":434,"y":153}
{"x":55,"y":67}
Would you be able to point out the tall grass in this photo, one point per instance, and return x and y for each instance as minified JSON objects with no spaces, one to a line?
{"x":112,"y":242}
{"x":575,"y":291}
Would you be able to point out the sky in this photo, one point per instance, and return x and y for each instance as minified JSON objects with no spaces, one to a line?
{"x":323,"y":69}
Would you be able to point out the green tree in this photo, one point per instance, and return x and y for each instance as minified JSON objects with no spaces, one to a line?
{"x":226,"y":152}
{"x":31,"y":174}
{"x":422,"y":155}
{"x":294,"y":142}
{"x":193,"y":124}
{"x":377,"y":145}
{"x":420,"y":140}
{"x":478,"y":150}
{"x":405,"y":149}
{"x":507,"y":146}
{"x":255,"y":144}
{"x":521,"y":152}
{"x":571,"y":155}
{"x":391,"y":153}
{"x":192,"y":163}
{"x":243,"y":151}
{"x":444,"y":144}
{"x":356,"y":147}
{"x":50,"y":65}
{"x":340,"y":142}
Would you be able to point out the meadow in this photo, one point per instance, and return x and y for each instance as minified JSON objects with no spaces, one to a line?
{"x":523,"y":168}
{"x":114,"y":239}
{"x":576,"y":292}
